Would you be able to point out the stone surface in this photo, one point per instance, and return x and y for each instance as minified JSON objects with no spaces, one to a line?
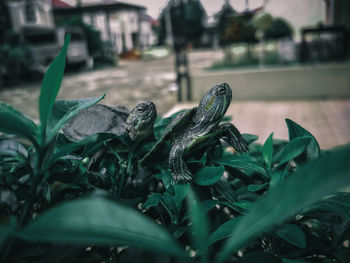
{"x":128,"y":84}
{"x":327,"y":120}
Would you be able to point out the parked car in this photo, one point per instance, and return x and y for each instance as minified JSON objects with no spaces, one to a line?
{"x":77,"y":52}
{"x":44,"y":46}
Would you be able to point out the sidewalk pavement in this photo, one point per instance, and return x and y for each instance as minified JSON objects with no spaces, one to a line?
{"x":327,"y":120}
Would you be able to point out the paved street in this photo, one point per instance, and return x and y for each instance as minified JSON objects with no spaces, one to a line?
{"x":135,"y":81}
{"x":129,"y":83}
{"x":327,"y":120}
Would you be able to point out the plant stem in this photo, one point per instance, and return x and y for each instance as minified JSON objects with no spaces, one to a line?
{"x":37,"y":176}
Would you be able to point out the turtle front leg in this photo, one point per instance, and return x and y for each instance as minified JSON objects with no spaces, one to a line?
{"x":233,"y":137}
{"x":178,"y":167}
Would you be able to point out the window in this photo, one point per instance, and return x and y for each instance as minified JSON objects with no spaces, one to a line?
{"x":29,"y":13}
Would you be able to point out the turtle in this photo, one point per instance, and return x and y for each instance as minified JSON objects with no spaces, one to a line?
{"x":193,"y":127}
{"x":99,"y":118}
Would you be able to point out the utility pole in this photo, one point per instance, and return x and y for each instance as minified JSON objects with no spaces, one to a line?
{"x":168,"y":25}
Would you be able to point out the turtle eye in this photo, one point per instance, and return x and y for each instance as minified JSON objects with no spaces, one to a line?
{"x":221,"y":90}
{"x":141,"y":109}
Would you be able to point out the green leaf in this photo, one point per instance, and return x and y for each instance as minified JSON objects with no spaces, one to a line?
{"x":250,"y":138}
{"x":267,"y":150}
{"x":64,"y":110}
{"x":293,"y":234}
{"x":223,"y":231}
{"x":167,"y":179}
{"x":7,"y":230}
{"x":306,"y":186}
{"x":293,"y":149}
{"x":285,"y":260}
{"x":199,"y":224}
{"x":242,"y":162}
{"x":51,"y":84}
{"x":99,"y":221}
{"x":153,"y":200}
{"x":259,"y":257}
{"x":257,"y":187}
{"x":181,"y":191}
{"x":209,"y":175}
{"x":312,"y":150}
{"x":339,"y":203}
{"x":14,"y":122}
{"x":278,"y":176}
{"x":93,"y":140}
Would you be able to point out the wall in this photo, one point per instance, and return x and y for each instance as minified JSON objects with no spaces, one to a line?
{"x":305,"y":82}
{"x":43,"y":14}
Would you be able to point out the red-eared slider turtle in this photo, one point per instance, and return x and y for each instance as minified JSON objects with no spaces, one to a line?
{"x":192,"y":128}
{"x":138,"y":123}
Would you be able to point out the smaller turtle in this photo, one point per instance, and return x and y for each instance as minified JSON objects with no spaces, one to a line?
{"x":194,"y":127}
{"x":99,"y":118}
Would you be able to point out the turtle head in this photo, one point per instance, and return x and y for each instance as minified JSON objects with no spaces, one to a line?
{"x":139,"y":124}
{"x":214,"y":104}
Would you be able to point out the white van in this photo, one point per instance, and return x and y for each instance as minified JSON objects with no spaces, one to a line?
{"x":77,"y":52}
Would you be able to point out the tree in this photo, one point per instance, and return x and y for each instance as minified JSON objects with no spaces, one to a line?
{"x":224,"y":20}
{"x":186,"y":22}
{"x":279,"y":28}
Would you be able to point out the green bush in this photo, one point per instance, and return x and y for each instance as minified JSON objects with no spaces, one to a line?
{"x":16,"y":59}
{"x":285,"y":201}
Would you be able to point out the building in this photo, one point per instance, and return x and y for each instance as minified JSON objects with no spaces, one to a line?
{"x":33,"y":21}
{"x":125,"y":26}
{"x":30,"y":13}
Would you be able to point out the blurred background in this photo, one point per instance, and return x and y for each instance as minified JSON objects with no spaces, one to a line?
{"x":282,"y":59}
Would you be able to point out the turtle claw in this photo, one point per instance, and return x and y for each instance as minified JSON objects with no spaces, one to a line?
{"x":234,"y":137}
{"x":182,"y":178}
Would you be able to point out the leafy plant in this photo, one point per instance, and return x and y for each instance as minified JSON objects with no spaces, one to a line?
{"x":284,"y":201}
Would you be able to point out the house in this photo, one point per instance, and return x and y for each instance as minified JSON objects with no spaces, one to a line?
{"x":125,"y":26}
{"x":33,"y":21}
{"x":30,"y":13}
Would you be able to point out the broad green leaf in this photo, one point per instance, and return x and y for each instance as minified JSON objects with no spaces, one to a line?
{"x":206,"y":205}
{"x":259,"y":257}
{"x":64,"y":110}
{"x":339,"y":203}
{"x":242,"y":162}
{"x":167,"y":179}
{"x":285,"y":260}
{"x":93,"y":140}
{"x":199,"y":224}
{"x":7,"y":230}
{"x":293,"y":234}
{"x":250,"y":138}
{"x":99,"y":221}
{"x":278,"y":176}
{"x":51,"y":84}
{"x":257,"y":187}
{"x":306,"y":186}
{"x":225,"y":189}
{"x":293,"y":149}
{"x":209,"y":175}
{"x":312,"y":150}
{"x":14,"y":122}
{"x":181,"y":191}
{"x":267,"y":150}
{"x":153,"y":200}
{"x":223,"y":231}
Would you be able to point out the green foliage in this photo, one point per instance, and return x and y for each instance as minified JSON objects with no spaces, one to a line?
{"x":186,"y":22}
{"x":279,"y":28}
{"x":95,"y":201}
{"x":15,"y":56}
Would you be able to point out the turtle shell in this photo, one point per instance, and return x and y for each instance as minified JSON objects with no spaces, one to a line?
{"x":96,"y":119}
{"x":180,"y":121}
